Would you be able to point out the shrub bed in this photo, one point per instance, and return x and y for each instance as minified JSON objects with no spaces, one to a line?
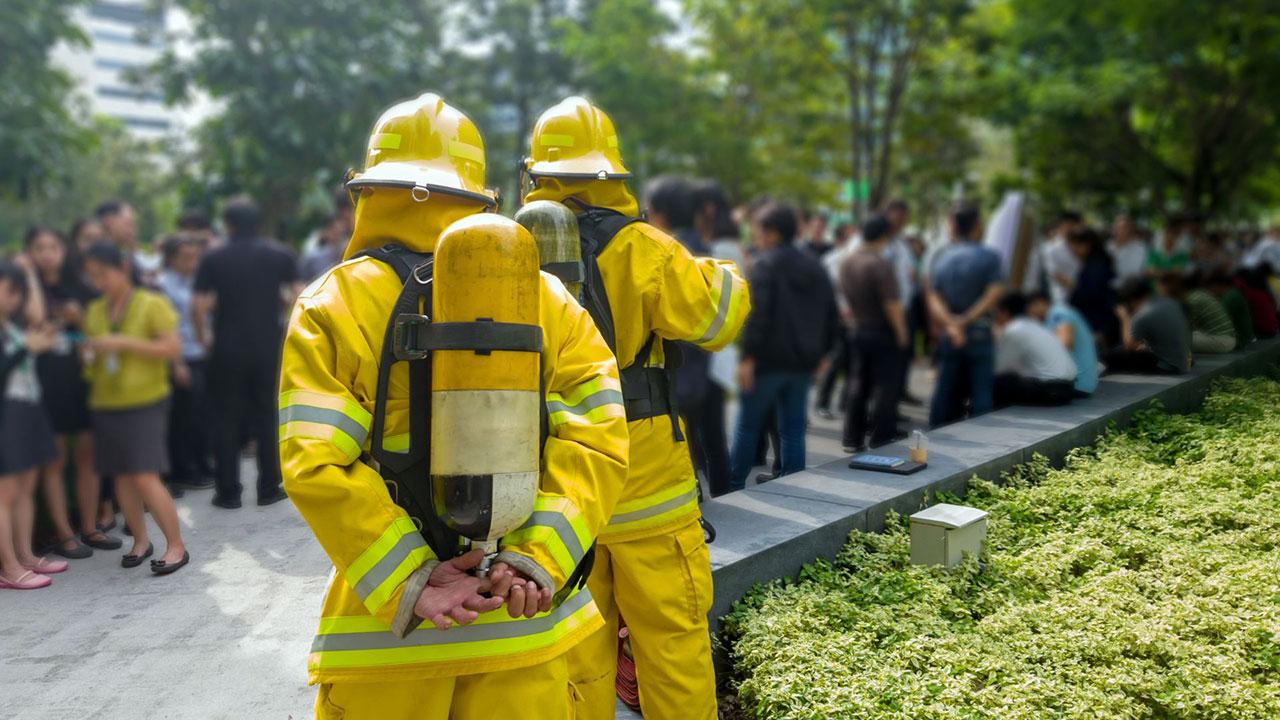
{"x":1142,"y":580}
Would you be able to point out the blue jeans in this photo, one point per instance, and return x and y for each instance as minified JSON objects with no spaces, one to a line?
{"x":788,"y":393}
{"x":964,"y":373}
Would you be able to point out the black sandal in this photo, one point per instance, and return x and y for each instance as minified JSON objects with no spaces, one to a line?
{"x":133,"y":561}
{"x":160,"y":567}
{"x":99,"y":540}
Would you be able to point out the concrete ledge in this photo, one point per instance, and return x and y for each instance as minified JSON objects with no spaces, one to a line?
{"x":771,"y":530}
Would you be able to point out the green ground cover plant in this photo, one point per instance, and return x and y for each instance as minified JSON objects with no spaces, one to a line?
{"x":1142,"y":580}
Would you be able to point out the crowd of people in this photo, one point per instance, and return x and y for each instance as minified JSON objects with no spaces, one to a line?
{"x":114,"y":361}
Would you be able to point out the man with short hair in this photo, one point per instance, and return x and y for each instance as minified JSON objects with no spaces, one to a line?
{"x":899,"y":253}
{"x":1061,"y":266}
{"x":1155,"y":336}
{"x":1075,"y":334}
{"x":840,"y":355}
{"x":879,"y":338}
{"x":1032,"y":366}
{"x":965,"y":283}
{"x":783,"y":341}
{"x":246,"y":284}
{"x":120,"y":223}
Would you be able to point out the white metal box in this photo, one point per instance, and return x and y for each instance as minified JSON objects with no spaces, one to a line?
{"x":940,"y":535}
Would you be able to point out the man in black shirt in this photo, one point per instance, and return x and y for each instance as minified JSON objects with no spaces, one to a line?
{"x":247,"y":284}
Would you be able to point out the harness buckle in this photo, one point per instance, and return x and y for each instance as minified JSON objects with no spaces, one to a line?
{"x":409,"y":337}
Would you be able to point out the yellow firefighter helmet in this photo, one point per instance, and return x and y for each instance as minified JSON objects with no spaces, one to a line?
{"x":425,"y":145}
{"x":575,"y":139}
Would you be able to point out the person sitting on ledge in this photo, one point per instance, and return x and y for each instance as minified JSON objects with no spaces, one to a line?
{"x":1032,"y":366}
{"x":1073,"y":331}
{"x":1211,"y":330}
{"x":1155,"y":337}
{"x":1219,"y":285}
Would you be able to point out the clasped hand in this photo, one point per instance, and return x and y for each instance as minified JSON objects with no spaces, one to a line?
{"x":454,"y":595}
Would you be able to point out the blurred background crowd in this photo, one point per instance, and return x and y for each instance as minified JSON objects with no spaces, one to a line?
{"x":942,"y":207}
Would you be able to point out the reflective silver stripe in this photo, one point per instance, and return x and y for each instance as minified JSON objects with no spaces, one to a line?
{"x":458,"y":634}
{"x":324,"y":416}
{"x":596,"y":399}
{"x":379,"y":573}
{"x":658,"y":509}
{"x":722,"y":308}
{"x":559,"y":523}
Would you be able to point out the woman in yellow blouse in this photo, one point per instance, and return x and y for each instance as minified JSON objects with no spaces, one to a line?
{"x":132,"y":336}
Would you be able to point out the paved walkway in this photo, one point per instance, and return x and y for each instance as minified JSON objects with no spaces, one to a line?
{"x":226,"y":637}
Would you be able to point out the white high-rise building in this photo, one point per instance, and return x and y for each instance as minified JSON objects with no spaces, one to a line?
{"x":124,"y":35}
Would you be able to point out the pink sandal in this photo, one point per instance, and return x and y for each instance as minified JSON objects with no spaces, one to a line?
{"x":26,"y":581}
{"x":45,"y":566}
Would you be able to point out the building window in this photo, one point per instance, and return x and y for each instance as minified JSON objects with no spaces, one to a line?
{"x":141,"y":123}
{"x":126,"y":13}
{"x":125,"y":38}
{"x":122,"y":93}
{"x":114,"y":64}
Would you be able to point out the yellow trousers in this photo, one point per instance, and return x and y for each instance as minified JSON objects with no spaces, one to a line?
{"x":662,"y":588}
{"x":540,"y":692}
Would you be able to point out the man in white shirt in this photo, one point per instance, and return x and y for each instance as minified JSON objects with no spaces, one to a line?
{"x":1266,"y":250}
{"x":1032,"y":366}
{"x":838,"y":363}
{"x":1128,"y":251}
{"x":1061,"y":266}
{"x":898,"y":252}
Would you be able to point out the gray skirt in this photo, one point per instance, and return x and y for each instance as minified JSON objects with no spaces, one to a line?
{"x":26,"y":437}
{"x":133,"y":441}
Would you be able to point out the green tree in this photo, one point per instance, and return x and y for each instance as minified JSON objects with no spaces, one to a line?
{"x":826,"y":87}
{"x":40,"y":131}
{"x":1154,"y":104}
{"x":297,"y":86}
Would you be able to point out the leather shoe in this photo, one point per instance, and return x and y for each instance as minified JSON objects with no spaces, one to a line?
{"x":272,"y":499}
{"x":226,"y":503}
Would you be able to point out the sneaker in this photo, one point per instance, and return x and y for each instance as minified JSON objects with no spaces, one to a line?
{"x":825,"y":414}
{"x":203,"y":483}
{"x":854,"y":449}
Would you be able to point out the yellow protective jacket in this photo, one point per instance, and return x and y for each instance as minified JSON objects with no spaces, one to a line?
{"x":655,"y":286}
{"x":327,"y":391}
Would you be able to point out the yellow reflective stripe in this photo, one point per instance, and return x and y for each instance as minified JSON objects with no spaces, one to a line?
{"x":345,"y":405}
{"x":587,"y":403}
{"x":380,"y":569}
{"x":355,"y":642}
{"x":553,"y":140}
{"x":321,"y":431}
{"x":723,"y":296}
{"x":656,"y":509}
{"x":396,"y":443}
{"x":548,"y":538}
{"x":386,"y":141}
{"x":466,"y":152}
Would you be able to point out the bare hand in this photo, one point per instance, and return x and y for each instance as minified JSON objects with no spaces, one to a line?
{"x":454,"y":595}
{"x":957,"y":335}
{"x":181,"y":375}
{"x":108,"y":343}
{"x":41,"y":339}
{"x":522,"y":595}
{"x":747,"y":375}
{"x":24,"y":263}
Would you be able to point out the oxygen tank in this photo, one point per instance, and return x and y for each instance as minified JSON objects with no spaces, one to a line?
{"x":485,"y":403}
{"x":555,"y":228}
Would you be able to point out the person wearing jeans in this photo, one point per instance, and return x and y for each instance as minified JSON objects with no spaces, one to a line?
{"x":964,"y":286}
{"x":791,"y":326}
{"x":879,"y":339}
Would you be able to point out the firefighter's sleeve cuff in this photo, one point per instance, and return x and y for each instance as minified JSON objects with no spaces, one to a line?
{"x":405,"y":621}
{"x":529,"y":567}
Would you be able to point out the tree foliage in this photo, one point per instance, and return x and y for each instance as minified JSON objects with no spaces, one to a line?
{"x":41,"y":127}
{"x":298,"y":85}
{"x":1145,"y":103}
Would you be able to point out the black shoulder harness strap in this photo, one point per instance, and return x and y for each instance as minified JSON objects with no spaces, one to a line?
{"x":410,"y":336}
{"x":647,"y":391}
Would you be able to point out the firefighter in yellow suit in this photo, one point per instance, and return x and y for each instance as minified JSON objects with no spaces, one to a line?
{"x":652,"y":564}
{"x":373,"y":655}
